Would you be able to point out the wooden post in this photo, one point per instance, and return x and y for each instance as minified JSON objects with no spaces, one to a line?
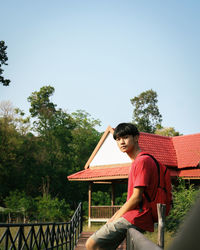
{"x":113,"y":199}
{"x":113,"y":195}
{"x":89,"y":203}
{"x":161,"y":208}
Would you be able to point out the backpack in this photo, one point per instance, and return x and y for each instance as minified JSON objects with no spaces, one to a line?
{"x":164,"y":190}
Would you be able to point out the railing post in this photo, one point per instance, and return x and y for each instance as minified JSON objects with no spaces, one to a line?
{"x":20,"y":237}
{"x":6,"y":242}
{"x":81,"y":215}
{"x":161,"y":208}
{"x":52,"y":235}
{"x":72,"y":235}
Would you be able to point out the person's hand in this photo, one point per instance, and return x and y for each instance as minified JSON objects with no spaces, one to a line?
{"x":110,"y":220}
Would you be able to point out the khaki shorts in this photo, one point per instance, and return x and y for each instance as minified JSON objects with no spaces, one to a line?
{"x":110,"y":235}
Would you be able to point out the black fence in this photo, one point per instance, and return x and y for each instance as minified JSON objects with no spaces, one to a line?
{"x":42,"y":235}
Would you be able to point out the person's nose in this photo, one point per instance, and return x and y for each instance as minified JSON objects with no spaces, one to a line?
{"x":122,"y":141}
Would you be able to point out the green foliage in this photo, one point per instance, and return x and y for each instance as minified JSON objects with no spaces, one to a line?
{"x":146,"y":114}
{"x":183,"y":199}
{"x":122,"y":199}
{"x":20,"y":204}
{"x":39,"y":163}
{"x":101,"y":198}
{"x":10,"y":144}
{"x":3,"y":61}
{"x":41,"y":106}
{"x":18,"y":201}
{"x":166,"y":131}
{"x":52,"y":209}
{"x":84,"y":138}
{"x":41,"y":208}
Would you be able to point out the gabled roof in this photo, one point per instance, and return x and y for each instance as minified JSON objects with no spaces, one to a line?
{"x":187,"y":150}
{"x":159,"y":146}
{"x":108,"y":162}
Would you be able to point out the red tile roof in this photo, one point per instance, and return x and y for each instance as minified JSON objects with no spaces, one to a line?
{"x":190,"y":173}
{"x":103,"y":173}
{"x":187,"y":150}
{"x":178,"y":152}
{"x":159,"y":146}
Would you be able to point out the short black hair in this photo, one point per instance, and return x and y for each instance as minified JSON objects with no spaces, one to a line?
{"x":125,"y":129}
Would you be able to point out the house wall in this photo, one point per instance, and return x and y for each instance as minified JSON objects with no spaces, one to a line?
{"x":109,"y":154}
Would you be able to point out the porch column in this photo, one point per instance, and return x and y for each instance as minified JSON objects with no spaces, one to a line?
{"x":113,"y":198}
{"x":89,"y":203}
{"x":113,"y":195}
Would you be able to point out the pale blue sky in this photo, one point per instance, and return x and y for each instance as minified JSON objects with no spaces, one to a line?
{"x":98,"y":54}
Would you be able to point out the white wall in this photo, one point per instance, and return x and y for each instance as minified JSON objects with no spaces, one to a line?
{"x":109,"y":153}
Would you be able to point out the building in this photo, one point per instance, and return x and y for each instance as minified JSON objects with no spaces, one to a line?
{"x":108,"y":165}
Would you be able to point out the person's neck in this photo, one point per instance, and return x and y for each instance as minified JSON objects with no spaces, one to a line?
{"x":134,"y":153}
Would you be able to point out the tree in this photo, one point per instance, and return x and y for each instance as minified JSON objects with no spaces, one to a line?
{"x":10,"y":142}
{"x":146,"y":114}
{"x":14,"y":116}
{"x":19,"y":203}
{"x":16,"y":156}
{"x":54,"y":128}
{"x":84,"y":137}
{"x":42,"y":108}
{"x":52,"y":209}
{"x":167,"y":131}
{"x":3,"y":61}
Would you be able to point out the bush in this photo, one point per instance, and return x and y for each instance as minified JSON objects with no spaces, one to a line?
{"x":183,"y":199}
{"x":100,"y":198}
{"x":41,"y":209}
{"x":121,"y":200}
{"x":52,"y":209}
{"x":20,"y":205}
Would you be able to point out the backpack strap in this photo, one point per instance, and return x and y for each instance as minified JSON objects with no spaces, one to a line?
{"x":158,"y":168}
{"x":145,"y":193}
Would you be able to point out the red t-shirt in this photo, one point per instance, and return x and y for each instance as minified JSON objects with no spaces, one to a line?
{"x":143,"y":173}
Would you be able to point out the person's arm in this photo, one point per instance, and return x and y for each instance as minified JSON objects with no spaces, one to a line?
{"x":134,"y":200}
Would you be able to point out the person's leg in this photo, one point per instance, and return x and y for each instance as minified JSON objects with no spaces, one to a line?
{"x":108,"y":236}
{"x":92,"y":245}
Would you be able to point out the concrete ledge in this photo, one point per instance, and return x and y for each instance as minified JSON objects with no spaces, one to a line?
{"x":137,"y":241}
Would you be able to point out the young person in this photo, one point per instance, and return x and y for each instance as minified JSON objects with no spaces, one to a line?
{"x":135,"y":212}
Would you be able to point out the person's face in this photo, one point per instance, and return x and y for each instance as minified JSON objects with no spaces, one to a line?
{"x":127,"y":143}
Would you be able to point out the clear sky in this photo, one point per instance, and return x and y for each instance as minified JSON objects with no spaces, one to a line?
{"x":98,"y":54}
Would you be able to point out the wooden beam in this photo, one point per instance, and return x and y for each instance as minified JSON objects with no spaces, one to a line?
{"x":89,"y":203}
{"x":102,"y":182}
{"x":113,"y":195}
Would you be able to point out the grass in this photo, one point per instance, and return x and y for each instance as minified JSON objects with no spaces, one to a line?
{"x":151,"y":236}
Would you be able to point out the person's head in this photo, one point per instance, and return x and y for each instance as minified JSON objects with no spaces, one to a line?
{"x":126,"y":136}
{"x":124,"y":129}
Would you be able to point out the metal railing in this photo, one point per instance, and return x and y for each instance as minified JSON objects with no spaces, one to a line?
{"x":63,"y":235}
